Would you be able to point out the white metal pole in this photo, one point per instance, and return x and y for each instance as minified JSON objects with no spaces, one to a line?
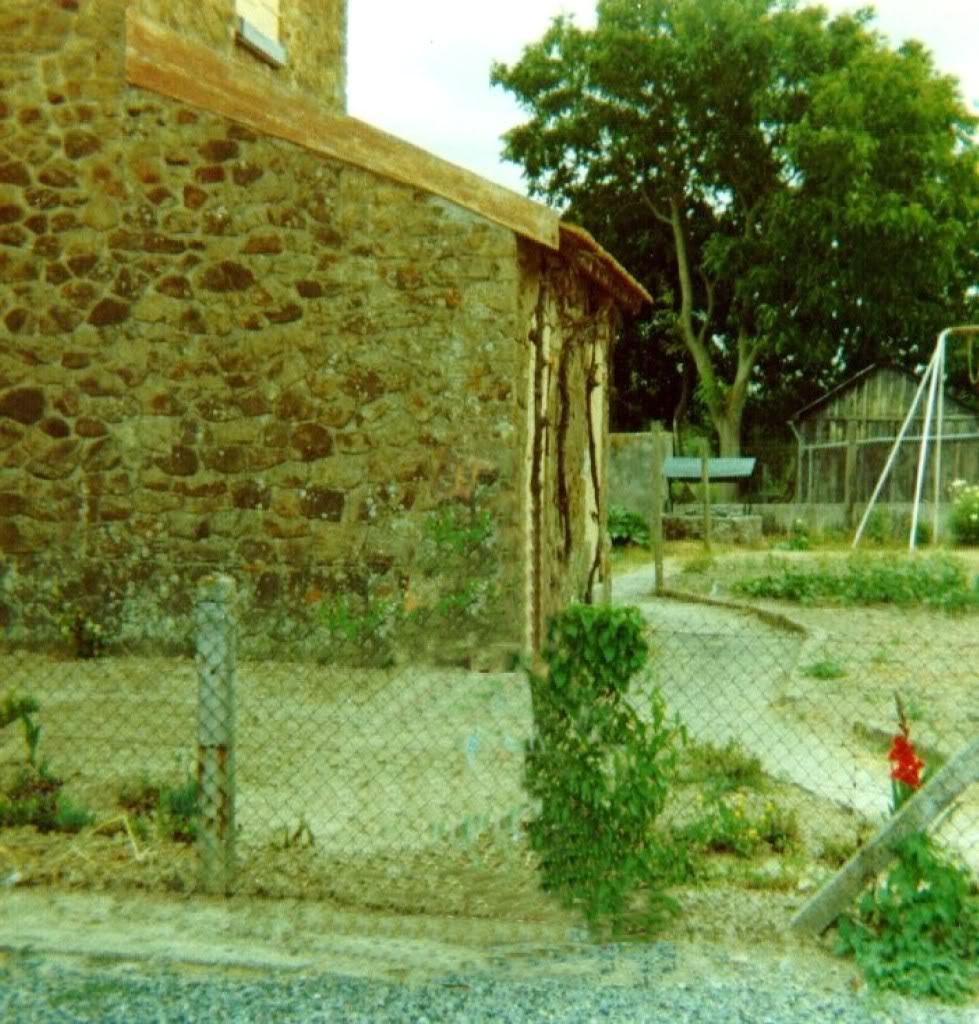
{"x":894,"y":450}
{"x":923,"y":451}
{"x":939,"y":421}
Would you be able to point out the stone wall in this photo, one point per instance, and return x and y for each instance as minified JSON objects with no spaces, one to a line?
{"x":223,"y":350}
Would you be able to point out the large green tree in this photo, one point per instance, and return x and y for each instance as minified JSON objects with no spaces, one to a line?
{"x":801,"y":198}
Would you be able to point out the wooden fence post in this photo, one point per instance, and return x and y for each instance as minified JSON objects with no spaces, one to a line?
{"x":215,"y":645}
{"x":656,"y":526}
{"x":705,"y":486}
{"x":850,"y":473}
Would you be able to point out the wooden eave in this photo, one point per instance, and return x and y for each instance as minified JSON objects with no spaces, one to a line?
{"x":603,"y":268}
{"x":167,"y":63}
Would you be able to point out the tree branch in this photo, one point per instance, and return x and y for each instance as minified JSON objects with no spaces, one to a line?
{"x":652,"y":207}
{"x":695,"y":341}
{"x":709,"y":314}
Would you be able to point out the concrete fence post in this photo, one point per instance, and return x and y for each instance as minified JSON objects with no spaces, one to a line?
{"x":216,"y":646}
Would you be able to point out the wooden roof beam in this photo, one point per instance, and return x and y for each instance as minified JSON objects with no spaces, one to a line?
{"x":169,"y":64}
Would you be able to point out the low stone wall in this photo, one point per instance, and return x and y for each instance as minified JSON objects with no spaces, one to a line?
{"x":779,"y":518}
{"x":727,"y":528}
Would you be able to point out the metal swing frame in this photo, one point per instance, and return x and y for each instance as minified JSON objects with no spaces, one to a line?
{"x":934,"y":379}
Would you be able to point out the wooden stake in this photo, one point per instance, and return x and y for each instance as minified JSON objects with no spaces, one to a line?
{"x":705,"y":486}
{"x":656,"y":524}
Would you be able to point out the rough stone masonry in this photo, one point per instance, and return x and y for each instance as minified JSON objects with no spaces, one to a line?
{"x":220,"y":349}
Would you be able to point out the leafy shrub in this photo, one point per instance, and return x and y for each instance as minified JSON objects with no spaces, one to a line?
{"x":917,"y":932}
{"x":179,"y":813}
{"x":35,"y":796}
{"x":964,"y":517}
{"x":937,"y":581}
{"x":626,"y":527}
{"x":15,"y":707}
{"x":698,"y":565}
{"x":799,"y":538}
{"x":601,"y":771}
{"x":879,"y":528}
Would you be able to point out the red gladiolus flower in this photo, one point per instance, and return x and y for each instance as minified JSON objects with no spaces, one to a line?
{"x":907,"y":764}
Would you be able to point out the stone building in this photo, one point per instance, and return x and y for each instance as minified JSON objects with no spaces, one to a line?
{"x":241,"y":330}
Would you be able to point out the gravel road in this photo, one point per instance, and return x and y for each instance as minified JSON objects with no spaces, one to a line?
{"x":88,"y":958}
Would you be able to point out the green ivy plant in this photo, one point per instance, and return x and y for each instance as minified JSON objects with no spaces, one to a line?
{"x":455,"y":590}
{"x":457,"y":551}
{"x":917,"y":932}
{"x":600,"y":770}
{"x":361,"y":630}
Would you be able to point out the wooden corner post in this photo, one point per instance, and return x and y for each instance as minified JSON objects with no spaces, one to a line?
{"x":216,"y":650}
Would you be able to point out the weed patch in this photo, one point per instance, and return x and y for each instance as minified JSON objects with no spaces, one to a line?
{"x":824,"y":669}
{"x":937,"y":582}
{"x":721,"y":768}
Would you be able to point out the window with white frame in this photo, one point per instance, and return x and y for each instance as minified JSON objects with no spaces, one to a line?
{"x":258,"y":29}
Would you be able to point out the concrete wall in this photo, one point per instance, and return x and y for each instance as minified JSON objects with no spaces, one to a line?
{"x":833,"y":516}
{"x":630,"y":471}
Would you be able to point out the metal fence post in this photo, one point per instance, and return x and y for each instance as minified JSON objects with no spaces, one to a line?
{"x":215,"y":644}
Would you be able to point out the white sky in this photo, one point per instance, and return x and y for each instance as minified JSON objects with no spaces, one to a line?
{"x":420,"y":70}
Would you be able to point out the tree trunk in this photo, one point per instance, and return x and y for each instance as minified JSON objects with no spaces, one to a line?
{"x":729,"y":433}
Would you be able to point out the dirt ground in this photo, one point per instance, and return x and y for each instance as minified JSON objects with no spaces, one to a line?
{"x":818,"y":705}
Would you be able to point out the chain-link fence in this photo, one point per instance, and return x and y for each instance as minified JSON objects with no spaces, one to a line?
{"x":335,"y":755}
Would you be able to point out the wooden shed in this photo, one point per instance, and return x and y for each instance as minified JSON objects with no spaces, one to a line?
{"x":845,"y":437}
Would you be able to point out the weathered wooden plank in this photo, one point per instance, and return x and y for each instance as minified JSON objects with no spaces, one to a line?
{"x":915,"y":816}
{"x":164,"y":62}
